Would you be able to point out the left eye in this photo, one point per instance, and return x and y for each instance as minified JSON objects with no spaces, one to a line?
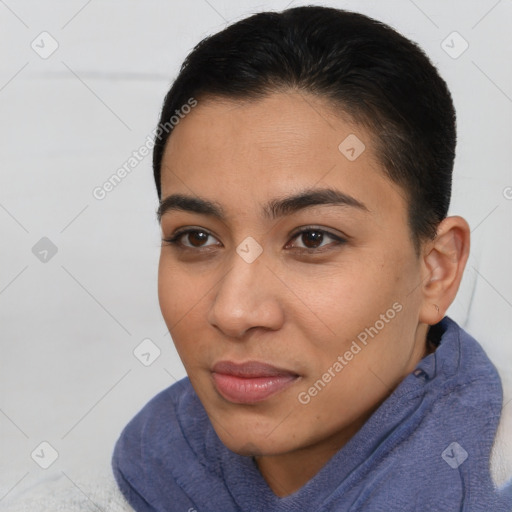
{"x":314,"y":238}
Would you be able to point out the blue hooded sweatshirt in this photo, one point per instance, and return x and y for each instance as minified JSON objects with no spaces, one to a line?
{"x":425,"y":449}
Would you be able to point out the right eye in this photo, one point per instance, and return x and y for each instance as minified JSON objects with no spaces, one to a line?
{"x":195,"y":237}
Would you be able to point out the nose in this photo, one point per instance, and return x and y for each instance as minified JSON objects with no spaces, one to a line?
{"x":247,"y":297}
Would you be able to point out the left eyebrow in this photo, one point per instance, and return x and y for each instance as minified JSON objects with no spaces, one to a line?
{"x":309,"y":198}
{"x":272,"y":210}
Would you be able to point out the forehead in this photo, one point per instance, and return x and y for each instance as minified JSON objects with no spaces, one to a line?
{"x":283,"y":142}
{"x":282,"y":125}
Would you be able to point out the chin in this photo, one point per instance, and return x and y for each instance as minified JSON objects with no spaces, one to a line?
{"x":252,"y":444}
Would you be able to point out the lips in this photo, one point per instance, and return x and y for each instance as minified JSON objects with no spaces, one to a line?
{"x":250,"y":382}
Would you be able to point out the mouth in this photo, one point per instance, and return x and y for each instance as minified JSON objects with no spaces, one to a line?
{"x":250,"y":382}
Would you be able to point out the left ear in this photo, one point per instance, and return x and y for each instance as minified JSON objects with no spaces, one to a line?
{"x":443,"y":263}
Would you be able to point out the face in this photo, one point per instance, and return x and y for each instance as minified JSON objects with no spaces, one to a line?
{"x":290,"y":286}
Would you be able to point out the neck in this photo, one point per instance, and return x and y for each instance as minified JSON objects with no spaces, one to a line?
{"x":286,"y":473}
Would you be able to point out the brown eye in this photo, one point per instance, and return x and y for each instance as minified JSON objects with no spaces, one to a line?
{"x":314,"y":238}
{"x":197,"y":238}
{"x":190,"y":239}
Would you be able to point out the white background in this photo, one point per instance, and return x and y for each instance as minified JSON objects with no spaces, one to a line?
{"x":69,"y":326}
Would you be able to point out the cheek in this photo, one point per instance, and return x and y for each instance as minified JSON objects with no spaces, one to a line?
{"x":179,"y":297}
{"x":184,"y":298}
{"x":364,"y":302}
{"x":348,"y":298}
{"x":168,"y":290}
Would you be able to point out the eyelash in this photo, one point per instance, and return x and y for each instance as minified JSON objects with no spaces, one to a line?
{"x":175,"y":239}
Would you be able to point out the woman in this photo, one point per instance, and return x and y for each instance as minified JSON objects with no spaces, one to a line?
{"x":303,"y":163}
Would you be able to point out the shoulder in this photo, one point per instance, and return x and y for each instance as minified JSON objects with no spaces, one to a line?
{"x":159,"y":417}
{"x":463,"y":360}
{"x":470,"y":403}
{"x":157,"y":420}
{"x":463,"y":384}
{"x":151,"y":452}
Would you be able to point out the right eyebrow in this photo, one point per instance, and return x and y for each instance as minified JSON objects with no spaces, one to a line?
{"x":190,"y":204}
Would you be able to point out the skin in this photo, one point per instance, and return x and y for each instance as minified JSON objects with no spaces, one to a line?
{"x":303,"y":300}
